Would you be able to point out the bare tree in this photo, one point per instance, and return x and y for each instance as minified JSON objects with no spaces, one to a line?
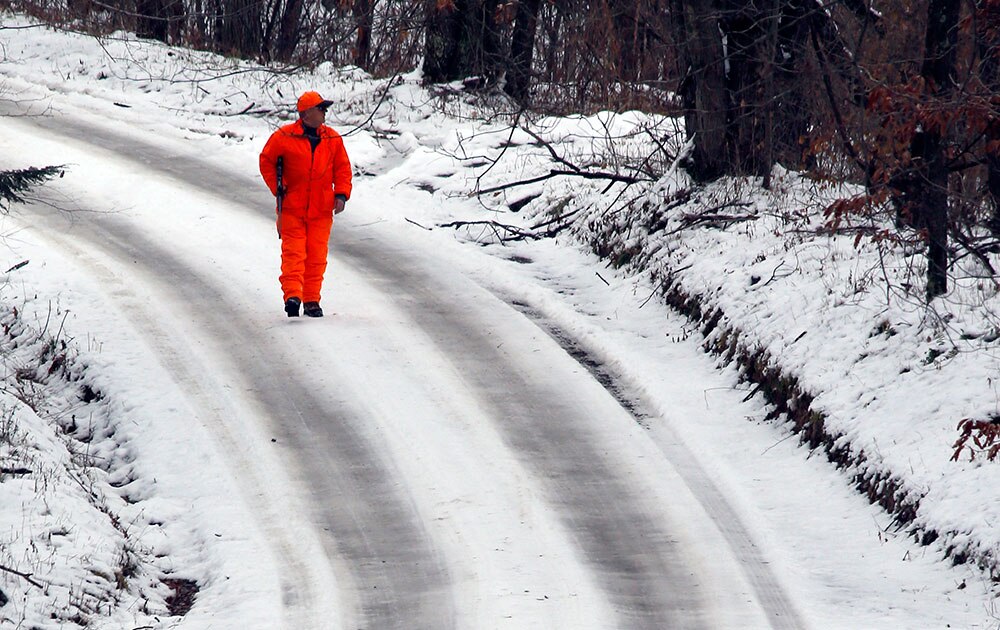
{"x":930,"y":210}
{"x":987,"y":19}
{"x":628,"y":38}
{"x":153,"y":19}
{"x":364,"y":17}
{"x":744,"y":82}
{"x":703,"y":87}
{"x":238,"y":27}
{"x":522,"y":50}
{"x":462,"y":40}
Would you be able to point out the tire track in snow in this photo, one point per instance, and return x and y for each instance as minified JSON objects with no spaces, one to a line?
{"x":398,"y":577}
{"x":782,"y":613}
{"x":650,"y":580}
{"x":304,"y":603}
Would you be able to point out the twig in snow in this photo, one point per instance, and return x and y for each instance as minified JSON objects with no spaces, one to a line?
{"x":518,"y":233}
{"x":712,"y":216}
{"x":613,"y":177}
{"x":753,"y":392}
{"x":789,"y":436}
{"x":555,"y":156}
{"x":418,"y":225}
{"x":775,"y":276}
{"x":25,"y":576}
{"x":646,"y":301}
{"x":552,"y":231}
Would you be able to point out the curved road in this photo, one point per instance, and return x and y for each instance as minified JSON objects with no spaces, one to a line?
{"x":524,"y":442}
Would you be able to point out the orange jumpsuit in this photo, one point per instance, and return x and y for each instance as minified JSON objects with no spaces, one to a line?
{"x":312,"y":179}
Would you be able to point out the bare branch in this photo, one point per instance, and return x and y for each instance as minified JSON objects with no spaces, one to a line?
{"x":25,"y":576}
{"x":613,"y":177}
{"x":517,"y":233}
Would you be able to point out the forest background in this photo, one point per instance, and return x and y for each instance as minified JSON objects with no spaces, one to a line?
{"x":899,"y":97}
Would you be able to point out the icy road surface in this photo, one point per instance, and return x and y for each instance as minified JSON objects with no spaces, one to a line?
{"x":429,"y":455}
{"x":457,"y":467}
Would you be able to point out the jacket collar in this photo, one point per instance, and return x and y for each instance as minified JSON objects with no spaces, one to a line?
{"x":300,"y":130}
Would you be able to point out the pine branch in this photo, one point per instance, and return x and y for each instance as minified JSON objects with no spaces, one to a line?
{"x":13,"y":184}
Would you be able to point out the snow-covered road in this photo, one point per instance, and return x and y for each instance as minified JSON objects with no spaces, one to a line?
{"x":438,"y":451}
{"x":456,"y":466}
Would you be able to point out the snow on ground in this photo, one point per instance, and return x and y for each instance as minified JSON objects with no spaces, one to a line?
{"x":891,"y":376}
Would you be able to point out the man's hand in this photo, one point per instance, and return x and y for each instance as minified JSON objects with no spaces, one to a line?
{"x":340,"y":205}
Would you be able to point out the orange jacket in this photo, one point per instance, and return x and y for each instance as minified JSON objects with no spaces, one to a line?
{"x":312,"y":179}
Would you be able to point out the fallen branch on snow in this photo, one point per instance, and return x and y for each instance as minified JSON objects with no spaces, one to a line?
{"x":515,"y":233}
{"x":713,"y":218}
{"x":611,"y":177}
{"x":518,"y":234}
{"x":25,"y":576}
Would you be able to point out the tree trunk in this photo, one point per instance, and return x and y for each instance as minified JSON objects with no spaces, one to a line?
{"x":791,"y":105}
{"x":462,"y":41}
{"x":703,"y":89}
{"x":483,"y":41}
{"x":931,"y":199}
{"x":988,"y":43}
{"x":364,"y":16}
{"x":552,"y":46}
{"x":239,"y":28}
{"x":522,"y":49}
{"x":624,"y":16}
{"x":151,"y":20}
{"x":441,"y":41}
{"x":749,"y":55}
{"x":288,"y":32}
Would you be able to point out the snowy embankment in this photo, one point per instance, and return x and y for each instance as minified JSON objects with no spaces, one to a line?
{"x":830,"y":330}
{"x":823,"y":328}
{"x":869,"y":375}
{"x":66,"y":462}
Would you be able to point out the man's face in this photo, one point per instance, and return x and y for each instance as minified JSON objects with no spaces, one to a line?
{"x":314,"y":116}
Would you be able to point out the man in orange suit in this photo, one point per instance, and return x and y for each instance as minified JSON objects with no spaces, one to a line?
{"x":315,"y":185}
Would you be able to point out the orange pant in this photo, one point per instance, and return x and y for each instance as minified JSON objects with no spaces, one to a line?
{"x":304,"y":245}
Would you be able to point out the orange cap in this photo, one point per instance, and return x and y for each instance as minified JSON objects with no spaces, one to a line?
{"x":308,"y":100}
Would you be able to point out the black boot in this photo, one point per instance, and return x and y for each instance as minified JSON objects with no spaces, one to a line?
{"x":292,"y":306}
{"x":312,"y":309}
